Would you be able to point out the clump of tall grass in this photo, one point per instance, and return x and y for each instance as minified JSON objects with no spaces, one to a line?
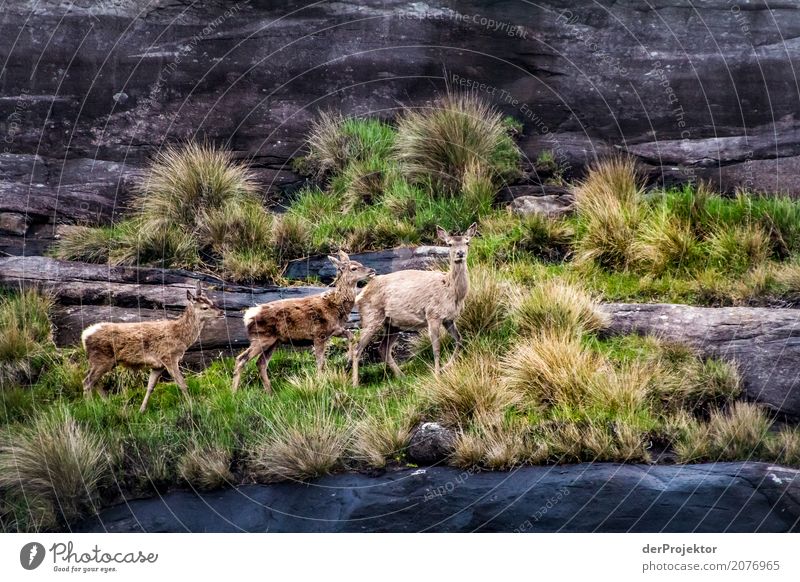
{"x":305,"y":444}
{"x":666,"y":243}
{"x":550,"y":368}
{"x":53,"y":466}
{"x":336,"y":141}
{"x":557,"y":306}
{"x":379,"y":437}
{"x":195,"y":201}
{"x":737,"y":433}
{"x":440,"y":143}
{"x":469,"y":387}
{"x":739,"y":248}
{"x":206,"y":468}
{"x":486,"y":305}
{"x":25,"y":334}
{"x":610,"y":206}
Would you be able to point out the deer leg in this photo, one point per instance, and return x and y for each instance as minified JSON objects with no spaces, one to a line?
{"x":319,"y":352}
{"x":434,"y":329}
{"x":367,"y":334}
{"x":451,"y":328}
{"x":96,"y":372}
{"x":174,"y":370}
{"x":263,"y":363}
{"x":155,"y":374}
{"x":388,"y":352}
{"x":241,"y":361}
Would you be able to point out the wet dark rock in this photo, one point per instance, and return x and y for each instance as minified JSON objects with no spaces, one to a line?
{"x":431,"y":443}
{"x":599,"y":497}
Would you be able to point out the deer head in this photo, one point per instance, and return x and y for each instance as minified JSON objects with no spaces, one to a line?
{"x":459,"y":245}
{"x":204,"y":308}
{"x":350,"y":272}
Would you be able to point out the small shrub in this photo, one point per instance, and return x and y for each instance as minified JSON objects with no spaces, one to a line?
{"x":477,"y":187}
{"x":53,"y":465}
{"x":556,"y":306}
{"x":362,"y":183}
{"x":440,"y":143}
{"x":489,"y":445}
{"x":237,"y":225}
{"x":206,"y":468}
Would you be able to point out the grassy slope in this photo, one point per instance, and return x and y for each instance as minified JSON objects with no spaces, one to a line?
{"x":536,"y":384}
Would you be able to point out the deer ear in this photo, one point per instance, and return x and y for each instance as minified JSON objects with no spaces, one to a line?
{"x":336,"y":262}
{"x":442,"y":234}
{"x":472,"y":230}
{"x":343,"y":256}
{"x":189,"y":296}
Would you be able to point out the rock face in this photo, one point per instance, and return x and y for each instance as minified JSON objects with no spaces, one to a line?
{"x":764,"y":343}
{"x":600,"y":497}
{"x":695,"y":91}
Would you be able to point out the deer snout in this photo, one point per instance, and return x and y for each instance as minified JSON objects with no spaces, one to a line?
{"x":460,"y":255}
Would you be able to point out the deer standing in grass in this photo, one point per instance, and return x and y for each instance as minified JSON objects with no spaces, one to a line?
{"x":158,"y":345}
{"x":299,"y":322}
{"x":414,"y":300}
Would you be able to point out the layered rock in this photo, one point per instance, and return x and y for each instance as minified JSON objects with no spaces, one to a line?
{"x":695,"y":91}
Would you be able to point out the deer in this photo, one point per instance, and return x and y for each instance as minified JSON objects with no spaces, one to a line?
{"x":303,"y":321}
{"x":414,"y":300}
{"x":157,"y":345}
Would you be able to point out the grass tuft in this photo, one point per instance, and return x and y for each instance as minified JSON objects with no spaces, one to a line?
{"x":556,"y":306}
{"x":54,"y":467}
{"x":442,"y":143}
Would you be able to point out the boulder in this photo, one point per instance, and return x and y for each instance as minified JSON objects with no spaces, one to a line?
{"x":430,"y":443}
{"x":547,"y":206}
{"x":590,"y":497}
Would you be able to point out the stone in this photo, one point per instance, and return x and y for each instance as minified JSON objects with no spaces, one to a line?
{"x":431,"y":443}
{"x":547,"y":206}
{"x":13,"y":223}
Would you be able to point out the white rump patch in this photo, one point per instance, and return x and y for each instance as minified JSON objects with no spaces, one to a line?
{"x":89,"y":331}
{"x":250,"y":314}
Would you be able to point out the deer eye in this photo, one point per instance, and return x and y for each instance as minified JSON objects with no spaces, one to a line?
{"x":353,"y":268}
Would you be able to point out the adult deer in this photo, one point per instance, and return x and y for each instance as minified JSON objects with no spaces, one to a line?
{"x":414,"y":300}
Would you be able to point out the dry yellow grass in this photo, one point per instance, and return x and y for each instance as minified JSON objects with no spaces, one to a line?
{"x":558,"y":307}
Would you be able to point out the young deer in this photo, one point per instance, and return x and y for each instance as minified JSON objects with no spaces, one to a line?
{"x":305,"y":321}
{"x":415,"y":300}
{"x":158,"y":345}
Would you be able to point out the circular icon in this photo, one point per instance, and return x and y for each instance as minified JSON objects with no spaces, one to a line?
{"x":31,"y":555}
